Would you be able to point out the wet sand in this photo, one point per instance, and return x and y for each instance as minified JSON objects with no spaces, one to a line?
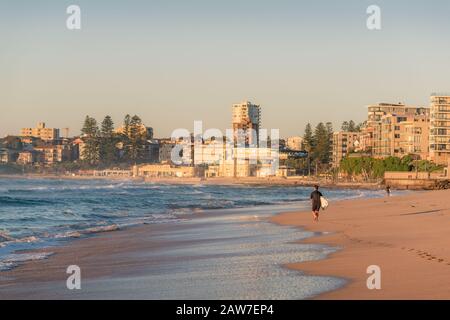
{"x":234,"y":254}
{"x":408,"y":237}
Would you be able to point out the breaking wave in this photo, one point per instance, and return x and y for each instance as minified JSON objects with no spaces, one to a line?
{"x":36,"y":213}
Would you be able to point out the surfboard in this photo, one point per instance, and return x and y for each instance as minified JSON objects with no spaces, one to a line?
{"x":324,"y":203}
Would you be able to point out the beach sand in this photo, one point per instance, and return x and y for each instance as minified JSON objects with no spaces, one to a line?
{"x":408,"y":237}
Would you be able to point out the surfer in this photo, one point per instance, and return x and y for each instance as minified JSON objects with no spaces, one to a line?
{"x":316,"y":202}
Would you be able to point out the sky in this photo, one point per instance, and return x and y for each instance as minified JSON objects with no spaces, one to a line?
{"x":174,"y":62}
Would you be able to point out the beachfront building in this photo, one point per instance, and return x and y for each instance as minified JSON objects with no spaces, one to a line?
{"x":224,"y":160}
{"x":366,"y":139}
{"x":6,"y":156}
{"x":295,"y":143}
{"x":54,"y":154}
{"x":246,"y":122}
{"x":266,"y":171}
{"x":152,"y":151}
{"x":211,"y":152}
{"x":41,"y":131}
{"x":113,"y":173}
{"x":29,"y":157}
{"x":163,"y":171}
{"x":375,"y":126}
{"x":165,"y":150}
{"x":405,"y":135}
{"x":440,"y":128}
{"x":344,"y":143}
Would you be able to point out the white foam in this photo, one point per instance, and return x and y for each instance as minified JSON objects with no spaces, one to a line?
{"x":79,"y":233}
{"x":5,"y":237}
{"x":12,"y":260}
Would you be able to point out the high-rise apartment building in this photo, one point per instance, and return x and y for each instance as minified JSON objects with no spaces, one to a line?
{"x":375,"y":126}
{"x":246,"y":123}
{"x":403,"y":135}
{"x":40,"y":132}
{"x":366,"y":139}
{"x":344,"y":143}
{"x":440,"y":128}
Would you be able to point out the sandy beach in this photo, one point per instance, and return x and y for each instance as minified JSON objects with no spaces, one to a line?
{"x":222,"y":254}
{"x":407,"y":237}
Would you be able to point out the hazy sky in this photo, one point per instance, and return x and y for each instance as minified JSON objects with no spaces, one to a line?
{"x":173,"y":62}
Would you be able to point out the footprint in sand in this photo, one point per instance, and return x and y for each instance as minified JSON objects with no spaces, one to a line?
{"x":426,"y":255}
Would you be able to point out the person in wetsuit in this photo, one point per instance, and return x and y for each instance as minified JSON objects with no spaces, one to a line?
{"x":316,"y":204}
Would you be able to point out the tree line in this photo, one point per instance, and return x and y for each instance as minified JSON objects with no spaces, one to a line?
{"x":369,"y":168}
{"x":103,"y":145}
{"x":318,"y":144}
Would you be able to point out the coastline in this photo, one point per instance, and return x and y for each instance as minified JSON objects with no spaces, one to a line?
{"x":251,"y":181}
{"x":122,"y":264}
{"x":406,"y":236}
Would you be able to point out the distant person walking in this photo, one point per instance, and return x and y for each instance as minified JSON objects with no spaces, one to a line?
{"x":316,"y":202}
{"x":388,"y":191}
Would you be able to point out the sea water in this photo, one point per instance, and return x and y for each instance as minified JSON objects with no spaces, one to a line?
{"x":36,"y":213}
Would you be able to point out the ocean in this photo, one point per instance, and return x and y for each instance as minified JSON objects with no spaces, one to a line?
{"x":40,"y":213}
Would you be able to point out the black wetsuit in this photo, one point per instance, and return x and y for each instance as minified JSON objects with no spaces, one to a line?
{"x":315,"y":197}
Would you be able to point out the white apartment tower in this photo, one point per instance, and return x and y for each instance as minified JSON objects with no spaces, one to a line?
{"x":440,"y":128}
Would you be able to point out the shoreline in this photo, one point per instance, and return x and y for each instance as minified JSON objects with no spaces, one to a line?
{"x":250,"y":181}
{"x":26,"y":243}
{"x":406,"y":236}
{"x":97,"y":256}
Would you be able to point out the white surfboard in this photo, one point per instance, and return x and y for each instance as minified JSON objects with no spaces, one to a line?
{"x":324,"y":203}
